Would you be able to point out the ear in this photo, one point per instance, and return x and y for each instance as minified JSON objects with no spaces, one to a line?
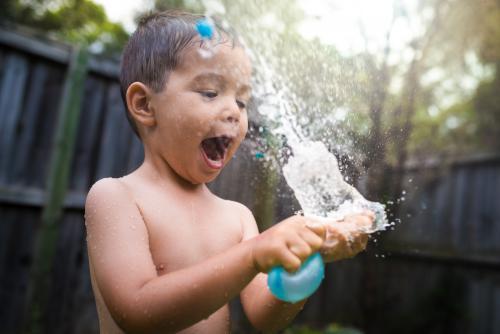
{"x":138,"y":102}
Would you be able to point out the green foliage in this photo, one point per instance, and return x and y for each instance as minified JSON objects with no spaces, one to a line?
{"x":74,"y":21}
{"x":471,"y":124}
{"x":487,"y":106}
{"x":451,"y":132}
{"x":335,"y":97}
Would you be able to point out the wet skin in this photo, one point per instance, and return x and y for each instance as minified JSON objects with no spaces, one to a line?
{"x":165,"y":254}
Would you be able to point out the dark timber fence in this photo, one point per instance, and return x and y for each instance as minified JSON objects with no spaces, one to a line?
{"x":62,"y":127}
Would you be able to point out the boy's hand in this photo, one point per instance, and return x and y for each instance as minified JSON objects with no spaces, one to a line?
{"x":288,"y":244}
{"x":347,"y":237}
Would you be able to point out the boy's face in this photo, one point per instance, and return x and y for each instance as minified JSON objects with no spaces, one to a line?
{"x":201,"y":113}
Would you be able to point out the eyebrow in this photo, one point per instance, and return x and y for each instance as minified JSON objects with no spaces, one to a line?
{"x":220,"y":79}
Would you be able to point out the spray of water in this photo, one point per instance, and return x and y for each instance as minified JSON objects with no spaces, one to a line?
{"x":314,"y":175}
{"x":311,"y":170}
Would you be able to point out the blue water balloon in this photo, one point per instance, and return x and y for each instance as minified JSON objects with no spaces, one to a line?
{"x":292,"y":287}
{"x":205,"y":28}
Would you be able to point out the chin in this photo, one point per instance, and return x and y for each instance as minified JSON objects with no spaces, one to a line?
{"x":202,"y":179}
{"x":210,"y":178}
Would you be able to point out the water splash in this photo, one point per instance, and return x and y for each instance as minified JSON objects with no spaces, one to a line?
{"x":314,"y":175}
{"x":311,"y":170}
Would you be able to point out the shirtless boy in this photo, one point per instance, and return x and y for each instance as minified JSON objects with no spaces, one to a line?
{"x":166,"y":255}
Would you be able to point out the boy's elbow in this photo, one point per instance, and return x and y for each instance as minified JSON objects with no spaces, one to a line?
{"x":135,"y":321}
{"x":129,"y":318}
{"x":136,"y":318}
{"x":130,"y":314}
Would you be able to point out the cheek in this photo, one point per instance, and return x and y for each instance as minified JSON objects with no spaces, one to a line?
{"x":244,"y":125}
{"x":241,"y":135}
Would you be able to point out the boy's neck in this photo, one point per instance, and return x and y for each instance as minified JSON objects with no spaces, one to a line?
{"x":161,"y":173}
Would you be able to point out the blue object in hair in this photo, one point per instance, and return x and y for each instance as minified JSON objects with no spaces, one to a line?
{"x":205,"y":28}
{"x":259,"y":155}
{"x":292,"y":287}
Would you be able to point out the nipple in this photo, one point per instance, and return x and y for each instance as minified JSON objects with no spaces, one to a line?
{"x":160,"y":268}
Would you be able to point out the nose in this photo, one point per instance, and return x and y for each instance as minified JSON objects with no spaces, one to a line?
{"x":231,"y":111}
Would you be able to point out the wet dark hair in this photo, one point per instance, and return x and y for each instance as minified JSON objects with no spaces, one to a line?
{"x":156,"y":47}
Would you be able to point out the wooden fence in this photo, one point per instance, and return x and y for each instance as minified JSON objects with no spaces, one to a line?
{"x":438,"y":272}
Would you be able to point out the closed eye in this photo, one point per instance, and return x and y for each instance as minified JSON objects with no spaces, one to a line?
{"x":208,"y":93}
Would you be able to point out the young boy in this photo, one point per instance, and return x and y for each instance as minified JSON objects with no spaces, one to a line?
{"x":165,"y":254}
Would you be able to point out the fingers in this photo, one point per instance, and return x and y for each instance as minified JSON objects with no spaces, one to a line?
{"x":312,"y":239}
{"x":318,"y":228}
{"x":300,"y":248}
{"x":358,"y":244}
{"x":345,"y":240}
{"x":290,"y":261}
{"x":361,"y":221}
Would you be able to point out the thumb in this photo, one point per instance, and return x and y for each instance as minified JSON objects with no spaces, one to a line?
{"x":317,"y":227}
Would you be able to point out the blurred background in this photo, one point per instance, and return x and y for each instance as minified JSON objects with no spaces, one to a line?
{"x":405,"y":93}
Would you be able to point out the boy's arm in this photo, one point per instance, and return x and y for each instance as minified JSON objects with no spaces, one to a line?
{"x":138,"y":299}
{"x":263,"y":310}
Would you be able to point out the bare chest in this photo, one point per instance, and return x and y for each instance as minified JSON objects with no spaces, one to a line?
{"x":182,"y":232}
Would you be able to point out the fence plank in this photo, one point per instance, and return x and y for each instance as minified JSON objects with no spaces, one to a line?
{"x":62,"y":155}
{"x":115,"y":139}
{"x":26,"y":138}
{"x":12,"y":90}
{"x":88,"y":134}
{"x":17,"y":231}
{"x":62,"y":305}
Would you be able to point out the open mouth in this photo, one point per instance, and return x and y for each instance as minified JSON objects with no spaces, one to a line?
{"x":214,"y":150}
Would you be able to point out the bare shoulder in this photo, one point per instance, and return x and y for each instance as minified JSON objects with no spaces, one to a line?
{"x":107,"y":200}
{"x":104,"y":188}
{"x":247,"y":220}
{"x":237,"y":208}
